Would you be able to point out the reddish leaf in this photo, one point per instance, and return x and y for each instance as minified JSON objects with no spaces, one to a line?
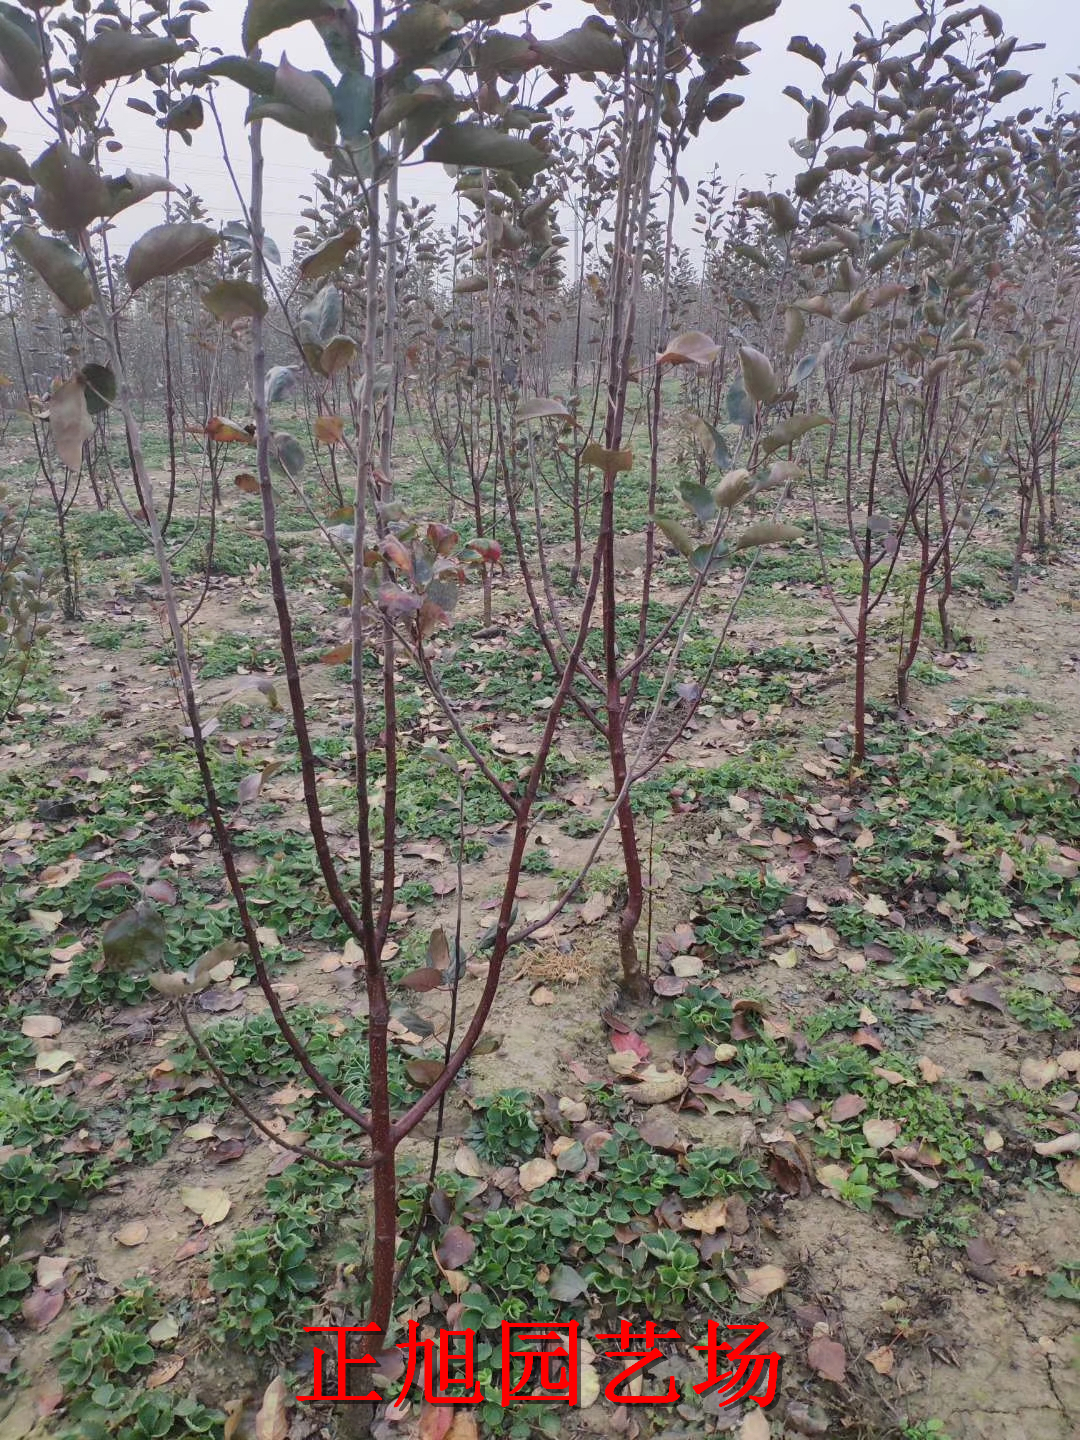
{"x":456,"y":1248}
{"x":847,"y":1107}
{"x":490,"y":551}
{"x":421,"y":980}
{"x":632,"y":1043}
{"x":827,"y":1357}
{"x":41,"y":1307}
{"x":247,"y":483}
{"x":163,"y":891}
{"x":340,"y":655}
{"x":670,"y":985}
{"x":397,"y":603}
{"x":114,"y":880}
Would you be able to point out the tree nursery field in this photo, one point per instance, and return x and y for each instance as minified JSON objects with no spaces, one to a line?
{"x":539,"y":727}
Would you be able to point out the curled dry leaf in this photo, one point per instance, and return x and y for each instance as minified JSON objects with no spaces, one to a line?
{"x":929,"y":1071}
{"x":658,"y":1089}
{"x":709,"y":1219}
{"x":1060,"y":1145}
{"x":692,"y":348}
{"x":135,"y":1232}
{"x":1068,"y":1172}
{"x":882,"y":1359}
{"x":166,"y":1372}
{"x":761,"y":1283}
{"x":51,"y":1270}
{"x":271,"y":1423}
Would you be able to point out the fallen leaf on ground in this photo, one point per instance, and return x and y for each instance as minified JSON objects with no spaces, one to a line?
{"x":467,"y":1162}
{"x":1068,"y":1172}
{"x":882,"y":1359}
{"x":166,"y":1372}
{"x":54,"y":1061}
{"x":846,"y":1107}
{"x":761,"y":1283}
{"x":211,"y":1206}
{"x":879,"y":1133}
{"x":1061,"y":1145}
{"x":929,"y":1071}
{"x":271,"y":1423}
{"x":456,"y":1248}
{"x":41,"y":1027}
{"x":820,"y":940}
{"x":535,"y":1173}
{"x":755,"y":1426}
{"x":50,"y":1270}
{"x":828,"y":1358}
{"x":1037,"y":1074}
{"x":166,"y":1329}
{"x":135,"y":1232}
{"x":709,"y":1219}
{"x":41,"y":1307}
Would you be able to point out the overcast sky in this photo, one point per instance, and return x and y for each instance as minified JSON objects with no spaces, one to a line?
{"x":749,"y":146}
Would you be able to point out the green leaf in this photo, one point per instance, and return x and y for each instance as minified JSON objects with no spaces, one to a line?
{"x":566,"y":1285}
{"x":279,"y":382}
{"x":330,"y":256}
{"x":128,"y":189}
{"x":422,"y":110}
{"x":740,"y":408}
{"x":469,"y":144}
{"x":591,"y":47}
{"x":100,"y":387}
{"x":264,"y":17}
{"x":231,"y":300}
{"x":699,"y":498}
{"x":70,"y":193}
{"x":710,"y":438}
{"x":710,"y":559}
{"x":254,"y":75}
{"x":168,"y":249}
{"x":114,"y":54}
{"x":320,"y":319}
{"x":419,"y":33}
{"x":289,"y":454}
{"x":14,"y":166}
{"x":679,"y":536}
{"x":310,"y":95}
{"x":60,"y":266}
{"x":22,"y":65}
{"x":134,"y":939}
{"x":353,"y":100}
{"x":803,"y":370}
{"x":788,"y":431}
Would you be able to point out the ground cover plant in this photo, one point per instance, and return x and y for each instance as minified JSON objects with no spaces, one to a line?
{"x":539,"y":783}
